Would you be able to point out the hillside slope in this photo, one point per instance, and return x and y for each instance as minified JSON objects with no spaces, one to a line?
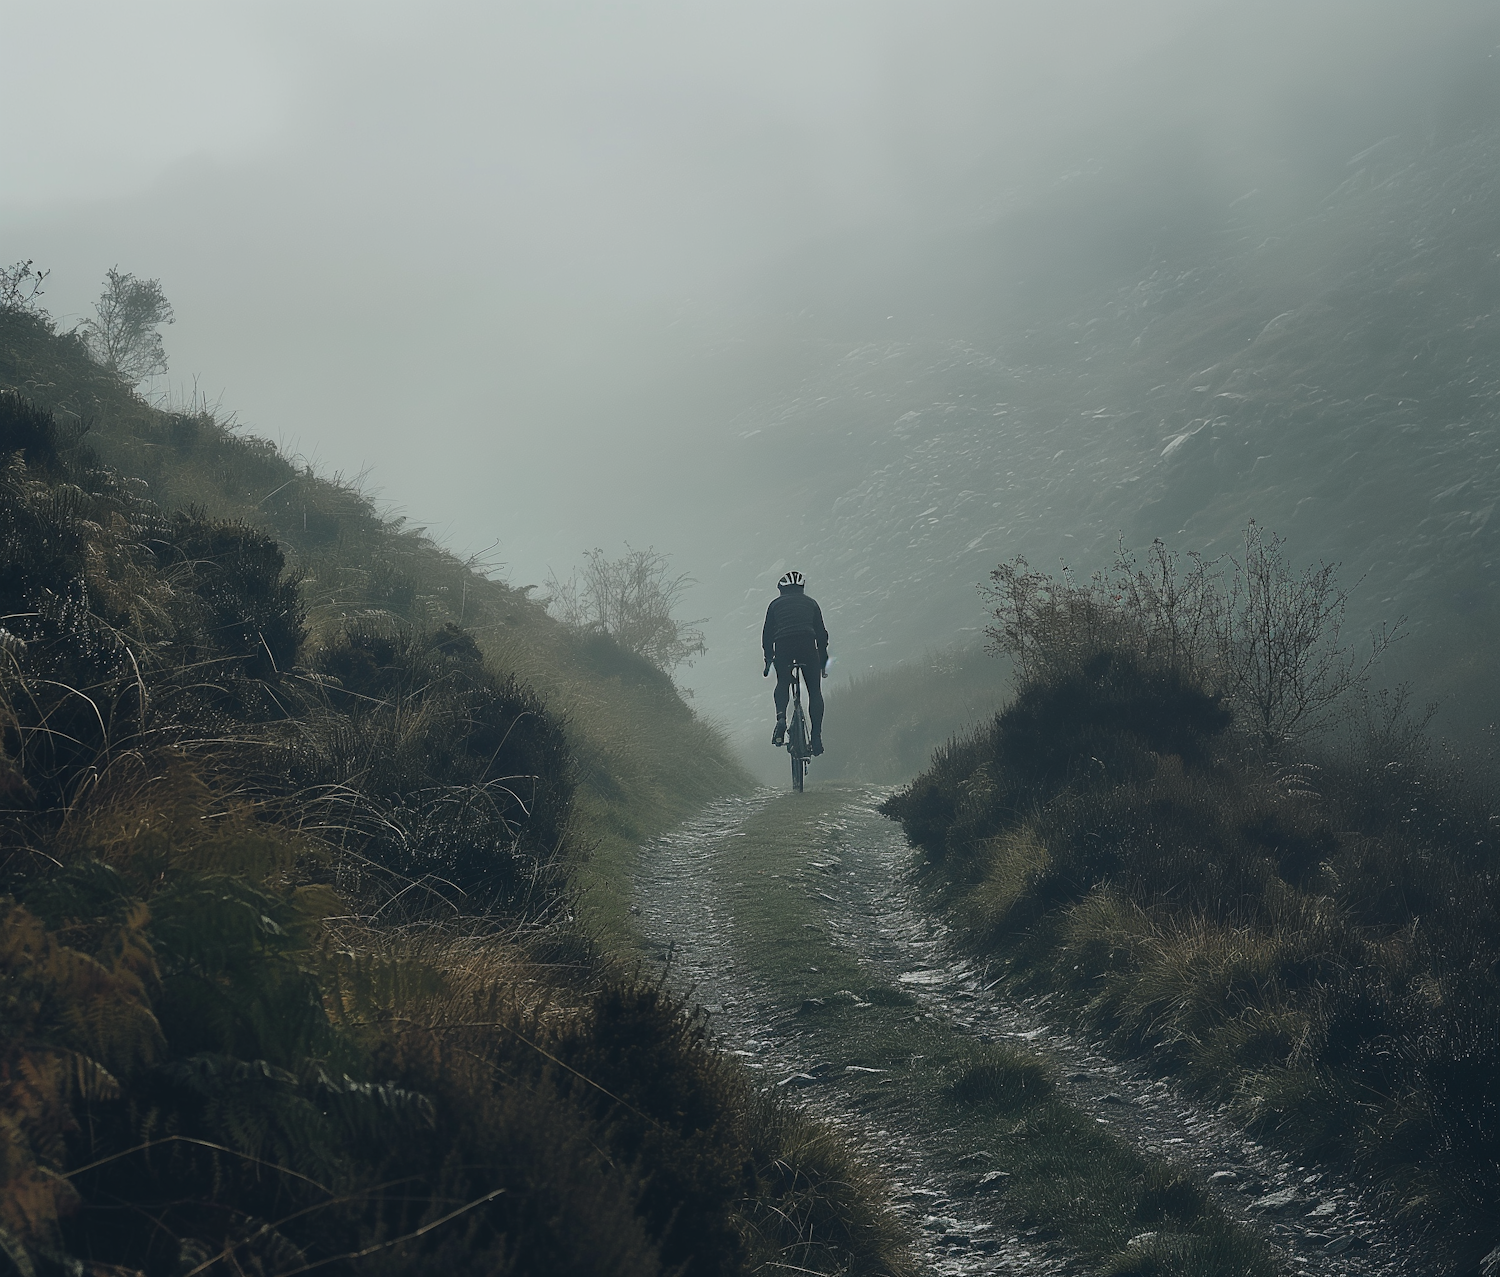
{"x":1302,"y":929}
{"x":643,"y":757}
{"x":290,"y":972}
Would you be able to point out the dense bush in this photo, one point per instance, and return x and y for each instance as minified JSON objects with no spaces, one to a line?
{"x":128,"y":630}
{"x":1307,"y":925}
{"x":460,"y":780}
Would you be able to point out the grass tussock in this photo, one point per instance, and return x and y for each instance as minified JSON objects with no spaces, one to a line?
{"x":290,"y":970}
{"x":1000,"y":1077}
{"x":1308,"y":931}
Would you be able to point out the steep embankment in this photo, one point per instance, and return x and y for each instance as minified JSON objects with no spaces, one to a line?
{"x":643,"y":758}
{"x":289,"y":976}
{"x":1303,"y":931}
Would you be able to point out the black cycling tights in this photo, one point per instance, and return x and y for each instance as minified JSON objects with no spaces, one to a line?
{"x":812,"y":680}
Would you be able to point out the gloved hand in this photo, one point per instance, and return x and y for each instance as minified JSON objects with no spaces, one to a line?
{"x":766,"y":672}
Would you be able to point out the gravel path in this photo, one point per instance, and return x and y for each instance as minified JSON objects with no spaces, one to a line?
{"x":860,"y":876}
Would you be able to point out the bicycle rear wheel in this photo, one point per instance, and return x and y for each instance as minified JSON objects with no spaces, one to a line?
{"x":797,"y":744}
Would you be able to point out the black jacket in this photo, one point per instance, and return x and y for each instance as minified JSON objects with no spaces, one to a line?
{"x":793,"y":615}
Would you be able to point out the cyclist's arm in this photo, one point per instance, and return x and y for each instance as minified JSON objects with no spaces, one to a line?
{"x":768,"y":635}
{"x":820,"y":633}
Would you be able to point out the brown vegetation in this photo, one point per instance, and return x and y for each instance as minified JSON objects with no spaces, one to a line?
{"x":1303,"y":924}
{"x":290,"y":976}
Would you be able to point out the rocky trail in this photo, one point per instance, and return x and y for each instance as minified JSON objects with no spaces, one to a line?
{"x":761,"y":905}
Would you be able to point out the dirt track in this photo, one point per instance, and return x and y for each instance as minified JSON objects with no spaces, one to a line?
{"x":761,"y":904}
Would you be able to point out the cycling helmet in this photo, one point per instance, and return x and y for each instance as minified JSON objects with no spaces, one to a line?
{"x":793,"y":577}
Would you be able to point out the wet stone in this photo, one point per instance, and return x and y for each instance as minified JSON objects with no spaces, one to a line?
{"x":939,"y":1224}
{"x":1275,"y":1203}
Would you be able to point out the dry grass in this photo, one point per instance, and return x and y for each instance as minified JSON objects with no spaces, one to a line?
{"x":1309,"y":934}
{"x":218,"y":801}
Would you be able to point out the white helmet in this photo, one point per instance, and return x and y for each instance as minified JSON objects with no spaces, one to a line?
{"x":793,"y":577}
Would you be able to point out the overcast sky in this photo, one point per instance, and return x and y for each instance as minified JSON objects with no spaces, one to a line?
{"x":528,"y":267}
{"x":439,"y":242}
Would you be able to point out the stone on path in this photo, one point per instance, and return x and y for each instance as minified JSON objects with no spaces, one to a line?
{"x":1275,"y":1203}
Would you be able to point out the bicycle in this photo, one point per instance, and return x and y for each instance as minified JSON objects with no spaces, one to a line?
{"x":797,"y":744}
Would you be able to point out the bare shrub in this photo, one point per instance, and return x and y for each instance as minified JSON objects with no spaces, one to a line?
{"x":1246,"y":628}
{"x":1281,"y":651}
{"x":20,"y":286}
{"x":631,"y":599}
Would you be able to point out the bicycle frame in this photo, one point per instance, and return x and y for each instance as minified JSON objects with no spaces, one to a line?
{"x":797,"y":743}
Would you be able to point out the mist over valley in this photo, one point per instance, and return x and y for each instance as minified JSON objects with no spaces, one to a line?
{"x":408,"y":413}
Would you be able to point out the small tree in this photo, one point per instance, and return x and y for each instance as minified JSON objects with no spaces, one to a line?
{"x":122,"y":336}
{"x":631,"y":599}
{"x":1280,"y":638}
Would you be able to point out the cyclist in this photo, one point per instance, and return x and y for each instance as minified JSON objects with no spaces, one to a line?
{"x":794,"y":634}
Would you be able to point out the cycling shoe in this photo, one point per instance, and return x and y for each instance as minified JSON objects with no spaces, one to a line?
{"x":817,"y":745}
{"x":778,"y":737}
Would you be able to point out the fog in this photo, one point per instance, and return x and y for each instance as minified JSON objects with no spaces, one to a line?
{"x":541,"y":272}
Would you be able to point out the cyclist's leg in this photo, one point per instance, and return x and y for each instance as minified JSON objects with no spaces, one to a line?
{"x":783,"y":693}
{"x":813,"y":678}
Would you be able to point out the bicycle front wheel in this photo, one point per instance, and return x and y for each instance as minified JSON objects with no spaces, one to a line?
{"x":799,"y":769}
